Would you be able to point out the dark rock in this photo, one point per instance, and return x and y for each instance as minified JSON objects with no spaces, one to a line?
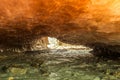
{"x":104,"y":50}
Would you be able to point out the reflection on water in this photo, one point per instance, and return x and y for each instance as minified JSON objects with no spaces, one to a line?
{"x":57,"y":65}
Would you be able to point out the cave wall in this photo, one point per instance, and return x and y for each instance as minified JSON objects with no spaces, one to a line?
{"x":85,"y":22}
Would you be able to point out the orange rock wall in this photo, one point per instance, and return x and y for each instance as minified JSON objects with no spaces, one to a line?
{"x":71,"y":21}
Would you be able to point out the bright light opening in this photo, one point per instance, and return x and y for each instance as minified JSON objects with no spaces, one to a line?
{"x":53,"y":43}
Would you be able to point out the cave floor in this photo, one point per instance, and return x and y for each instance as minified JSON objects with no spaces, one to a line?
{"x":57,"y":64}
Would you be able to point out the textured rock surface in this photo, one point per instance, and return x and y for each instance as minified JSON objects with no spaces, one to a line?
{"x":86,"y":22}
{"x":70,"y":65}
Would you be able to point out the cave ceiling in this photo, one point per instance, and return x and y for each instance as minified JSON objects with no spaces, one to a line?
{"x":72,"y":21}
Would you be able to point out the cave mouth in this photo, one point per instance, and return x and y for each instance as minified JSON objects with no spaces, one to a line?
{"x":53,"y":45}
{"x":98,"y":49}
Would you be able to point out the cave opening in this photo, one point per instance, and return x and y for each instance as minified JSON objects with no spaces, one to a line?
{"x":55,"y":46}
